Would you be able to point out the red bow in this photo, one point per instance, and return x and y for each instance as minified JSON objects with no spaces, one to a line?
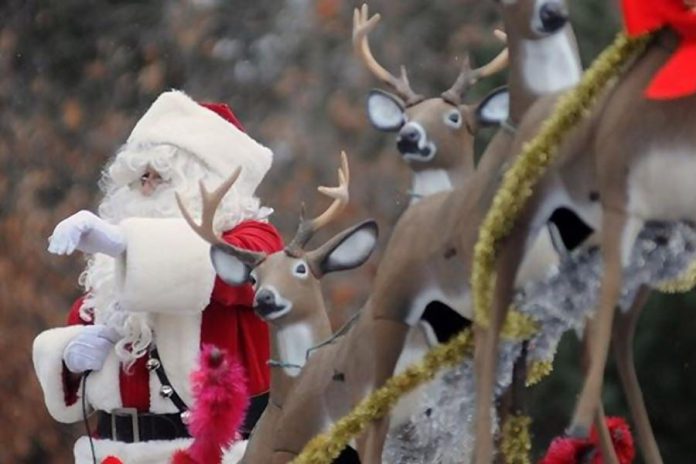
{"x":677,"y":78}
{"x":587,"y":450}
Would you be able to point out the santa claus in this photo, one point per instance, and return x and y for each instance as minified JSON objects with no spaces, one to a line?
{"x":152,"y":298}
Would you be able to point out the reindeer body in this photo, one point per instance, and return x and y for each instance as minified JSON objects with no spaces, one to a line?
{"x":628,"y":162}
{"x":427,"y":260}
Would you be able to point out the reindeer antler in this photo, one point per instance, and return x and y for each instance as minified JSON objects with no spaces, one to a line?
{"x":362,"y":26}
{"x":211,"y":201}
{"x":468,"y":77}
{"x":341,"y":196}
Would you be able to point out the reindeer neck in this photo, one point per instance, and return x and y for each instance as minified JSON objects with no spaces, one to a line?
{"x":289,"y":347}
{"x":431,"y":181}
{"x":539,"y":67}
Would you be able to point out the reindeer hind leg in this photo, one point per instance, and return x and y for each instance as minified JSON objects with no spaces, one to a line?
{"x":601,"y":326}
{"x":623,"y":353}
{"x":486,"y":340}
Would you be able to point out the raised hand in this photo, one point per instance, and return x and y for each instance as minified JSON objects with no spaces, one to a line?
{"x":87,"y":232}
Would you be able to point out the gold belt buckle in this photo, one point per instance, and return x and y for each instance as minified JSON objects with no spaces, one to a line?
{"x":125,"y":412}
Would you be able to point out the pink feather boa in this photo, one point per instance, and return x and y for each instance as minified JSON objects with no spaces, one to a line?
{"x":221,"y":399}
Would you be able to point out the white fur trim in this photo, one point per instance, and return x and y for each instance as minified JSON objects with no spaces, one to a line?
{"x":47,"y":354}
{"x":174,"y":118}
{"x":178,"y":343}
{"x":234,"y":453}
{"x":166,"y":268}
{"x":149,"y":452}
{"x":103,"y":387}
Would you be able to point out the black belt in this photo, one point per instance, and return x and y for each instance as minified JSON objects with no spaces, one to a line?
{"x":129,"y":426}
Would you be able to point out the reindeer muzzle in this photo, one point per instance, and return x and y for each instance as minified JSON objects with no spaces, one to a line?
{"x":268,"y":306}
{"x":553,"y":15}
{"x":412,"y":142}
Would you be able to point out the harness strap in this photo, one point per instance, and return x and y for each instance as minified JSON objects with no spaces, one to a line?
{"x":167,"y":389}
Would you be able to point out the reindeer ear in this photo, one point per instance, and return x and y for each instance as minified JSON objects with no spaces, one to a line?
{"x":228,"y":267}
{"x":386,"y":111}
{"x":495,"y":108}
{"x":347,"y":250}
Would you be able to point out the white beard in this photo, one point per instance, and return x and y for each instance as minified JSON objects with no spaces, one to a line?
{"x":123,"y":201}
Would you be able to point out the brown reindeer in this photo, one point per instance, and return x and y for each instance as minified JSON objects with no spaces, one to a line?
{"x":423,"y":286}
{"x":288,"y":291}
{"x":625,"y":164}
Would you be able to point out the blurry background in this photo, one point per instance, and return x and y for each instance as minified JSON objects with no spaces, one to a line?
{"x":75,"y":75}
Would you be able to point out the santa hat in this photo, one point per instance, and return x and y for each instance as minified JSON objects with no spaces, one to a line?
{"x":210,"y":132}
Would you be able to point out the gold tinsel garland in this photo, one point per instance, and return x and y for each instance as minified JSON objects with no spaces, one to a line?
{"x":516,"y":440}
{"x":326,"y":447}
{"x":531,"y":164}
{"x":537,"y":370}
{"x":681,"y":284}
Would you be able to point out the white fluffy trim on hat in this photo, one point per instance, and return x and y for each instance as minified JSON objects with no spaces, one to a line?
{"x":174,"y":118}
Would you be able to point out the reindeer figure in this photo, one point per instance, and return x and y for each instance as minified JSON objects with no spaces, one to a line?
{"x":435,"y":135}
{"x":626,"y":164}
{"x":288,"y":291}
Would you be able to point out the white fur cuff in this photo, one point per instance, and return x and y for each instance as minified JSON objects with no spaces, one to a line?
{"x":47,"y":354}
{"x":166,"y":268}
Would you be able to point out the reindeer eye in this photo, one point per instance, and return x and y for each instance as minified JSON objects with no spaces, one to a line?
{"x":252,"y":279}
{"x":454,"y":119}
{"x":300,"y":269}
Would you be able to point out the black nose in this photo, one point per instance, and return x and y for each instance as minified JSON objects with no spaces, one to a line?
{"x":408,"y":139}
{"x":265,"y":298}
{"x":409,"y":134}
{"x":553,"y":15}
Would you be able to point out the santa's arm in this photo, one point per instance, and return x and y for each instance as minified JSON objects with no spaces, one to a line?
{"x":61,"y":389}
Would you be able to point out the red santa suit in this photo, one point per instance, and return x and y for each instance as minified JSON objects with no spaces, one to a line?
{"x":166,"y":272}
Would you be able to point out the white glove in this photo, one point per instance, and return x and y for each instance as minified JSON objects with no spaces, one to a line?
{"x":88,"y":350}
{"x":88,"y":233}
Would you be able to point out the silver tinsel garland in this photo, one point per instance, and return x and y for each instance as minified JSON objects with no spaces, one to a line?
{"x":441,"y":431}
{"x":662,"y":252}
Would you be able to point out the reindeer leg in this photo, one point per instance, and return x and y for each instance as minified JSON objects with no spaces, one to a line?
{"x":605,"y":443}
{"x":512,"y":403}
{"x":486,"y":349}
{"x":601,"y":325}
{"x":623,"y":353}
{"x":390,"y":337}
{"x":374,"y":443}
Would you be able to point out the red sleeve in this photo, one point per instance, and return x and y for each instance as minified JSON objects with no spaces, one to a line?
{"x":74,"y":317}
{"x":250,"y":235}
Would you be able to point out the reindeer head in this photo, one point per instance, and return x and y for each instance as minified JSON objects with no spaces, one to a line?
{"x":534,"y":19}
{"x":287,"y":282}
{"x":432,"y":132}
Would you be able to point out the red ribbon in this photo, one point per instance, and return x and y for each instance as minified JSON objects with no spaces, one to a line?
{"x":677,"y":78}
